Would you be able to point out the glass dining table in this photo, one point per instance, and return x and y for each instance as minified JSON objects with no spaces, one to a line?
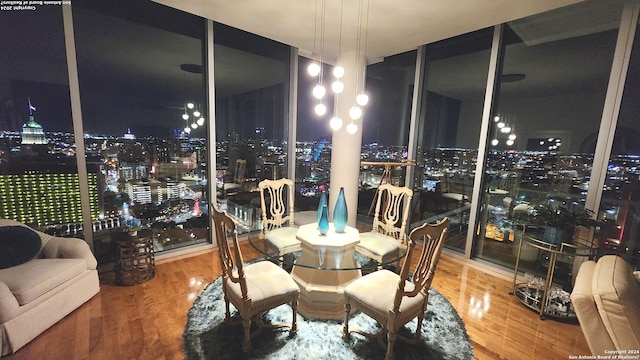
{"x":323,"y":267}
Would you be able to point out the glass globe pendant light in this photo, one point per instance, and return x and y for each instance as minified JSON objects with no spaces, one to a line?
{"x":313,"y":69}
{"x":362,"y":99}
{"x":320,"y":109}
{"x":335,"y":123}
{"x":352,"y":128}
{"x":338,"y":72}
{"x":355,"y":112}
{"x":337,"y":86}
{"x":318,"y":91}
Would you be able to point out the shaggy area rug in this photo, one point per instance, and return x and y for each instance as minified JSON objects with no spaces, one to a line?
{"x":207,"y":337}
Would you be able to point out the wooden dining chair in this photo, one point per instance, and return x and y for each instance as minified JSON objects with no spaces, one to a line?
{"x":238,"y":178}
{"x":394,"y":300}
{"x":252,"y":289}
{"x":278,"y":228}
{"x":388,"y":235}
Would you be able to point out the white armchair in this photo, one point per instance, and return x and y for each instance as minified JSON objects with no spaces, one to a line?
{"x":38,"y":293}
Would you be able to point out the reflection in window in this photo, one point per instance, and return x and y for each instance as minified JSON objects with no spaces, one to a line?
{"x":143,"y":110}
{"x":620,"y":205}
{"x":455,"y":82}
{"x":39,"y":182}
{"x":385,"y":127}
{"x":549,"y":106}
{"x":313,"y":142}
{"x":252,"y":77}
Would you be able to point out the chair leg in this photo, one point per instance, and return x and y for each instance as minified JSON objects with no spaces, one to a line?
{"x":418,"y":333}
{"x":227,"y":314}
{"x":246,"y":341}
{"x":345,"y":328}
{"x":391,"y":340}
{"x":294,"y":321}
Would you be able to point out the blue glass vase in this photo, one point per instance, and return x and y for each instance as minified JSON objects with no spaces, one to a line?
{"x":323,"y":202}
{"x":323,"y":223}
{"x":340,"y":212}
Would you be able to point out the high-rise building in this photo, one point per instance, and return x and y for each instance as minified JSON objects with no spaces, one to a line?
{"x":42,"y":198}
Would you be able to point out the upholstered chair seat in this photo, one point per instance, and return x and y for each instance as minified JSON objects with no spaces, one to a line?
{"x":284,"y":239}
{"x":267,"y":284}
{"x":455,"y":197}
{"x":378,"y":291}
{"x":379,"y":246}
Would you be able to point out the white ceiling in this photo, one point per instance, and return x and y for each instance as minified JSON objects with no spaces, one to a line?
{"x":393,"y":26}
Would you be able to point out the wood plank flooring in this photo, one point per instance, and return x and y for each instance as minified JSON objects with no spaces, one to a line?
{"x":146,"y":321}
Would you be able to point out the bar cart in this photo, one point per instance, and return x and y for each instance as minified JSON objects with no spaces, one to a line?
{"x":541,"y":294}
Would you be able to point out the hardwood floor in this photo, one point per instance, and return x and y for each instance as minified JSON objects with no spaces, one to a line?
{"x":146,"y":321}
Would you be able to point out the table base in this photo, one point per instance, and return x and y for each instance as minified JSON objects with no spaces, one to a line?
{"x":321,"y":291}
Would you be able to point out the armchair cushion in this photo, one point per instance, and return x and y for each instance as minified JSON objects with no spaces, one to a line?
{"x":31,"y":280}
{"x":616,"y":294}
{"x":18,"y":244}
{"x":68,"y":248}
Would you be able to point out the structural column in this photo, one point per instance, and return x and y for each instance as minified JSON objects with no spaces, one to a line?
{"x":346,"y":148}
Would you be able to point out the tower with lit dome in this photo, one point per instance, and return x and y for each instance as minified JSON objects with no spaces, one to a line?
{"x":32,"y":132}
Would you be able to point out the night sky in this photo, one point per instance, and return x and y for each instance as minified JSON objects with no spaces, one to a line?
{"x":122,"y":91}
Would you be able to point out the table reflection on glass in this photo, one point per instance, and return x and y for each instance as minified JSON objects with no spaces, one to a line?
{"x":323,"y":268}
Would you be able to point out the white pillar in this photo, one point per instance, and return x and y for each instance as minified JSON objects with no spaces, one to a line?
{"x":345,"y":153}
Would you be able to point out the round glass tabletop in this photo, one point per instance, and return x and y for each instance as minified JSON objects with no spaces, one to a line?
{"x":332,"y":251}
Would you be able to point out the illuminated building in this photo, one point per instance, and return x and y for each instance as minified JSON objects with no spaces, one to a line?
{"x":42,"y":199}
{"x":32,"y":133}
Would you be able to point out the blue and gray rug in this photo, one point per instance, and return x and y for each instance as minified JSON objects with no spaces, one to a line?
{"x":206,"y":337}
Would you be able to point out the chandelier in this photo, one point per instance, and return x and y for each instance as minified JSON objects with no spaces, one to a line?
{"x":504,"y":130}
{"x":192,"y":115}
{"x":337,"y":86}
{"x":192,"y":112}
{"x":362,"y":99}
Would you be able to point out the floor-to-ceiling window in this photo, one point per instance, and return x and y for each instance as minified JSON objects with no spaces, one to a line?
{"x":251,"y":117}
{"x":39,"y":182}
{"x":144,"y":117}
{"x":548,"y":107}
{"x":620,"y":206}
{"x":313,"y":136}
{"x":385,"y":126}
{"x":455,"y":79}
